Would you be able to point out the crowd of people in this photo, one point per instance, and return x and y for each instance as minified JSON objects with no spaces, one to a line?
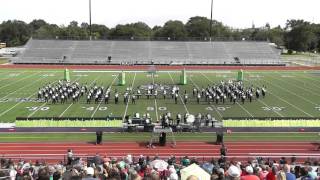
{"x":142,"y":167}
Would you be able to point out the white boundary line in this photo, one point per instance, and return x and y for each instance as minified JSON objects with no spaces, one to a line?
{"x":125,"y":112}
{"x":210,"y":103}
{"x":179,"y":95}
{"x":155,"y":101}
{"x":101,"y":101}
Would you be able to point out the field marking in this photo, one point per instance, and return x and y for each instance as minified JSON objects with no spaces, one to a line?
{"x":244,"y":109}
{"x":236,"y":103}
{"x":31,"y":114}
{"x":14,"y":82}
{"x":155,"y":101}
{"x":13,"y":92}
{"x":65,"y":110}
{"x":18,"y":103}
{"x":292,"y":105}
{"x":310,"y":83}
{"x":179,"y":95}
{"x":210,"y":103}
{"x":296,"y":85}
{"x":79,"y":77}
{"x":275,"y":85}
{"x":2,"y":79}
{"x":101,"y":101}
{"x":266,"y":103}
{"x":125,"y":112}
{"x":308,"y":77}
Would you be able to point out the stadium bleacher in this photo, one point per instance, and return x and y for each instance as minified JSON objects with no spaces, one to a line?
{"x":148,"y":52}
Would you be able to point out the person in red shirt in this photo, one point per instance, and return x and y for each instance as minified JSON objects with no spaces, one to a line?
{"x":250,"y":175}
{"x":272,"y":174}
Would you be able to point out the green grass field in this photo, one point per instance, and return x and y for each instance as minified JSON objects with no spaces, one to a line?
{"x":289,"y":94}
{"x":145,"y":137}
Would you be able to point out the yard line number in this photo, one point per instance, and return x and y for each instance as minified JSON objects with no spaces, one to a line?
{"x":36,"y":108}
{"x":159,"y":108}
{"x":103,"y":108}
{"x":274,"y":108}
{"x":219,"y":108}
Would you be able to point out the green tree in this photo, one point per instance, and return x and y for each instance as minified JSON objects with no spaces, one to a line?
{"x":37,"y":24}
{"x":14,"y":33}
{"x":174,"y":30}
{"x":134,"y":30}
{"x":300,"y":35}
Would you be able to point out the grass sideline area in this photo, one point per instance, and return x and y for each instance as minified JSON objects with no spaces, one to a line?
{"x":289,"y":94}
{"x":145,"y":137}
{"x":271,"y":123}
{"x":68,"y":123}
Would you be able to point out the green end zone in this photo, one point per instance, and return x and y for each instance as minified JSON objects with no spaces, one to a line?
{"x":68,"y":123}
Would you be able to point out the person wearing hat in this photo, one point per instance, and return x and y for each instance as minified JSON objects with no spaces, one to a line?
{"x":250,"y":175}
{"x":233,"y":173}
{"x":90,"y":174}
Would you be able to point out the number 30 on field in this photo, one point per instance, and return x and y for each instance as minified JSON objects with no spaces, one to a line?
{"x":36,"y":108}
{"x":272,"y":108}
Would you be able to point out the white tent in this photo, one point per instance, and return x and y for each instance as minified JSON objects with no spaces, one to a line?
{"x":195,"y":170}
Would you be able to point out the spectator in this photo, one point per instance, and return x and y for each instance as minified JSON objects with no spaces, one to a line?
{"x":272,"y":174}
{"x":289,"y":175}
{"x":250,"y":175}
{"x":89,"y":174}
{"x":263,"y":173}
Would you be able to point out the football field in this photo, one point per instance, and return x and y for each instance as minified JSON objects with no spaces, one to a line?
{"x":290,"y":94}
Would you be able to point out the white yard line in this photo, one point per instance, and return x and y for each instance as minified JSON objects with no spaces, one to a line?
{"x":2,"y":79}
{"x":236,"y":103}
{"x":15,"y":82}
{"x":214,"y":107}
{"x":65,"y":110}
{"x":245,"y":109}
{"x":179,"y":95}
{"x":272,"y":84}
{"x":125,"y":112}
{"x":292,"y":105}
{"x":17,"y":104}
{"x":305,"y":89}
{"x":31,"y":114}
{"x":14,"y":92}
{"x":72,"y":103}
{"x":155,"y":101}
{"x":268,"y":105}
{"x":101,"y":101}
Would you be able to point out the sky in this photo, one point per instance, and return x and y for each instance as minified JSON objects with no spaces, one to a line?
{"x":234,"y":13}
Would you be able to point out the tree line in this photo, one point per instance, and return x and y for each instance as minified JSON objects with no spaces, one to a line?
{"x":298,"y":35}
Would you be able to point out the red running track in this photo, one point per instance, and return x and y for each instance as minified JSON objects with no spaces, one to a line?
{"x":242,"y":151}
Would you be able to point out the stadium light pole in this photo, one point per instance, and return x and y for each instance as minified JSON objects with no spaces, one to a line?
{"x":90,"y":31}
{"x":211,"y":20}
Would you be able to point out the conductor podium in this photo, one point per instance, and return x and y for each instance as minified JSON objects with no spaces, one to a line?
{"x":161,"y":133}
